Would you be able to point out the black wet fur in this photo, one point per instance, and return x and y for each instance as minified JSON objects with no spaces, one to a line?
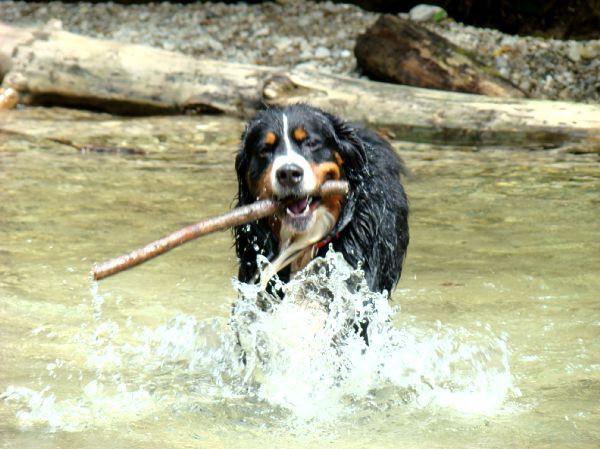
{"x":372,"y":230}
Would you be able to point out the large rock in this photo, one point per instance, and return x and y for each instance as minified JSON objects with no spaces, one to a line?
{"x":400,"y":51}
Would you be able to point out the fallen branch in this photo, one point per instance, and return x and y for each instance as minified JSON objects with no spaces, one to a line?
{"x":56,"y":67}
{"x":401,"y":51}
{"x":236,"y":217}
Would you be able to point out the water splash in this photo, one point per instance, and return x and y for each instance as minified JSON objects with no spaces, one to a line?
{"x":306,"y":354}
{"x":96,"y":405}
{"x":302,"y":357}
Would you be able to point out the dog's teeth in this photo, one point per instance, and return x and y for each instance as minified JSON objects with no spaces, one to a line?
{"x":305,"y":211}
{"x":293,"y":211}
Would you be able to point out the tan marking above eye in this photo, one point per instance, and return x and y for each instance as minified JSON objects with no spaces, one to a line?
{"x":270,"y":138}
{"x":338,"y":158}
{"x":326,"y":171}
{"x":300,"y":134}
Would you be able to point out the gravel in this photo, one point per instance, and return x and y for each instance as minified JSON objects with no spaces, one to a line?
{"x":544,"y":68}
{"x":318,"y":36}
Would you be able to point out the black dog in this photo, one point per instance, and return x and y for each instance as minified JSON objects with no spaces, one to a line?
{"x":287,"y":153}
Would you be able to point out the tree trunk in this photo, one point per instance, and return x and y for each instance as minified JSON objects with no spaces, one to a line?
{"x":57,"y":67}
{"x":10,"y":38}
{"x":435,"y":116}
{"x":400,"y":51}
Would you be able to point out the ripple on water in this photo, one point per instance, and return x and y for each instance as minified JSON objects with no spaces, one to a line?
{"x":304,"y":360}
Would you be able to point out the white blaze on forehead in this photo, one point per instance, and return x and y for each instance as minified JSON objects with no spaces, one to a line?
{"x":286,"y":135}
{"x":291,"y":157}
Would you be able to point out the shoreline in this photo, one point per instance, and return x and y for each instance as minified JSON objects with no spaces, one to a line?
{"x":315,"y":36}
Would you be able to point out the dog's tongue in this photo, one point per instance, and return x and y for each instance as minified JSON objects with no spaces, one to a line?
{"x":298,"y":207}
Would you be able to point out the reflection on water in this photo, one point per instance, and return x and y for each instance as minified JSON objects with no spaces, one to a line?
{"x":492,"y":336}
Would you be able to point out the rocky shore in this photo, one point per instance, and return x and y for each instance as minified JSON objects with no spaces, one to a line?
{"x":318,"y":36}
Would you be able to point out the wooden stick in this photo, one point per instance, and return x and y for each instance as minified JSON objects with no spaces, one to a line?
{"x":236,"y":217}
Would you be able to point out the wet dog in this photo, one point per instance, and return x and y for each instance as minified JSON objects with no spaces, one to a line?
{"x":286,"y":154}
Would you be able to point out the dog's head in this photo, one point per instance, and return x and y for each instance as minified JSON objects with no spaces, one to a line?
{"x":287,"y":154}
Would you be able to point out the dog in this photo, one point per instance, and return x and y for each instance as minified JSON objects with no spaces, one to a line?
{"x":287,"y":154}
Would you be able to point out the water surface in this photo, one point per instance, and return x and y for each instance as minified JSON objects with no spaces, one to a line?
{"x":496,"y":320}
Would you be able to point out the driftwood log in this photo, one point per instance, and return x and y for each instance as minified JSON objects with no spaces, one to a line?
{"x":10,"y":38}
{"x":401,"y":51}
{"x":57,"y":67}
{"x":236,"y":217}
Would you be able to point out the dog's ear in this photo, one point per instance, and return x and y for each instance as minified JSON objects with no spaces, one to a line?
{"x":242,"y":165}
{"x":349,"y":144}
{"x":353,"y":153}
{"x":252,"y":238}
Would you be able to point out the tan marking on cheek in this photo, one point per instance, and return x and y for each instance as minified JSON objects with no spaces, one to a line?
{"x":333,"y":204}
{"x":263,"y":188}
{"x":326,"y":171}
{"x":300,"y":134}
{"x":338,"y":158}
{"x":270,"y":138}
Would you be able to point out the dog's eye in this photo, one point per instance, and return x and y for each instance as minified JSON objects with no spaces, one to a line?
{"x":265,"y":151}
{"x":267,"y":144}
{"x":311,"y":144}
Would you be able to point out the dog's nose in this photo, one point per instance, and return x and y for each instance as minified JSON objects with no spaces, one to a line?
{"x":290,"y":175}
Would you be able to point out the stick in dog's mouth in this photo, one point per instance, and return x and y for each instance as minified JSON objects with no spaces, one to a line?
{"x":235,"y":217}
{"x":303,"y":225}
{"x":296,"y":205}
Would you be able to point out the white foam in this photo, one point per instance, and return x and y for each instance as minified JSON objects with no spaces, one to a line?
{"x":303,"y":356}
{"x":311,"y":361}
{"x":93,"y":407}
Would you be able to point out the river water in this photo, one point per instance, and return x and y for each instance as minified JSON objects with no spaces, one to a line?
{"x":492,"y":337}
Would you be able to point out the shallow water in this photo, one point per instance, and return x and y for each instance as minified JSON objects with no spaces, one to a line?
{"x":492,"y":338}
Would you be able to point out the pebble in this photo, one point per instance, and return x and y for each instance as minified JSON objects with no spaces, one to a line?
{"x":322,"y":53}
{"x":574,"y":52}
{"x":427,"y":13}
{"x":316,"y":36}
{"x":591,"y":50}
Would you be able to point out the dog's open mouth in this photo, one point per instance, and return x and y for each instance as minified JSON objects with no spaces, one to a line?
{"x":299,"y":211}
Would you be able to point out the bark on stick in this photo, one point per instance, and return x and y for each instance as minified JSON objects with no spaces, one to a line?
{"x":236,"y":217}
